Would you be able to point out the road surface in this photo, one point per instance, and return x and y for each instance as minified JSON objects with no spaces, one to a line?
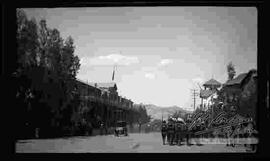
{"x":136,"y":142}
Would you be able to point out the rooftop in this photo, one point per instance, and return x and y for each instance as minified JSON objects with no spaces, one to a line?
{"x":103,"y":85}
{"x":236,"y":80}
{"x":212,"y":82}
{"x":206,"y":93}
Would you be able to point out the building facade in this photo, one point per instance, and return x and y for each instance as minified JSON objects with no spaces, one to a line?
{"x":103,"y":103}
{"x":209,"y":93}
{"x":240,"y":94}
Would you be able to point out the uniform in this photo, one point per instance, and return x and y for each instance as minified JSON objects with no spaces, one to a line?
{"x":164,"y":132}
{"x":187,"y":134}
{"x":178,"y":132}
{"x":170,"y":132}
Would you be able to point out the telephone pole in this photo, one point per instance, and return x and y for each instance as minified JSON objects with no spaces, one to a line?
{"x":194,"y":95}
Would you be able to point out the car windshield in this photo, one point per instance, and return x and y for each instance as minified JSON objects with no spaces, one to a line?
{"x":121,"y":124}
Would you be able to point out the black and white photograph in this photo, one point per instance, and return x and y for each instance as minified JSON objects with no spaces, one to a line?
{"x":130,"y":79}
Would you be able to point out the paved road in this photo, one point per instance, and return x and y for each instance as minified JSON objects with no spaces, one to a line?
{"x":141,"y":143}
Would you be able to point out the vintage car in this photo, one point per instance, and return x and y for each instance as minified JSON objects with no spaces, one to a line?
{"x":120,"y":128}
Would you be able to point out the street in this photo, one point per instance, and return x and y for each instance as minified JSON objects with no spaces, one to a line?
{"x":135,"y":142}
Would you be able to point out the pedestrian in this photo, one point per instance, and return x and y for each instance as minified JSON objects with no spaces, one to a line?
{"x":164,"y":131}
{"x":90,"y":128}
{"x":228,"y":132}
{"x":249,"y":132}
{"x":37,"y":132}
{"x":106,"y":128}
{"x":232,"y":137}
{"x":197,"y":137}
{"x":254,"y":136}
{"x":236,"y":134}
{"x":101,"y":128}
{"x":244,"y":134}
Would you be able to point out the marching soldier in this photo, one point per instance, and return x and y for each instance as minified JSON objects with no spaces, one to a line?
{"x":168,"y":136}
{"x":187,"y":134}
{"x":178,"y":132}
{"x":164,"y":131}
{"x":170,"y":132}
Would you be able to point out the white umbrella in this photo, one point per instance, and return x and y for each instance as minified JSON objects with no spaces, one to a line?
{"x":180,"y":119}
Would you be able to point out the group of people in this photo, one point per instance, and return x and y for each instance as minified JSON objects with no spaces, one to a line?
{"x":174,"y":132}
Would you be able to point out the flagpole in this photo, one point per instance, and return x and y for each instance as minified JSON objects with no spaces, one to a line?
{"x":162,"y":116}
{"x":113,"y":73}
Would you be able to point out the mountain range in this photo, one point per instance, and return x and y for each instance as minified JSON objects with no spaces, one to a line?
{"x":156,"y":111}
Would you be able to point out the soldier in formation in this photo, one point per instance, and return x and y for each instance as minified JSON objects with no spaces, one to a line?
{"x":178,"y":132}
{"x":170,"y":131}
{"x":187,"y":134}
{"x":175,"y":131}
{"x":164,"y":131}
{"x":187,"y":131}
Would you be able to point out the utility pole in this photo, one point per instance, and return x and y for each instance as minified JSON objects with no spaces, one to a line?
{"x":200,"y":96}
{"x":194,"y":95}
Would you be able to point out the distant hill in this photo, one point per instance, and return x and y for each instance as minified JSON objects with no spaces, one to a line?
{"x":156,"y":111}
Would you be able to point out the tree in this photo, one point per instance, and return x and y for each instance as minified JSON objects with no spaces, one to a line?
{"x":46,"y":71}
{"x":230,"y":71}
{"x":141,"y":115}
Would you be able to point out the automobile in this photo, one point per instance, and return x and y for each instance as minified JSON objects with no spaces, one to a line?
{"x":121,"y":128}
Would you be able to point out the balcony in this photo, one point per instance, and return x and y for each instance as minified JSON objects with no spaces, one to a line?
{"x":106,"y":101}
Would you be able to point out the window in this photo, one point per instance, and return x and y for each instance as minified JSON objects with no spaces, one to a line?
{"x":230,"y":98}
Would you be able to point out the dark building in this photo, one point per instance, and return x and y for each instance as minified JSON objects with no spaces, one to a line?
{"x":241,"y":93}
{"x":103,"y":102}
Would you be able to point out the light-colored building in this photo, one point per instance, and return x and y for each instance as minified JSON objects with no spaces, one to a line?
{"x":209,"y":93}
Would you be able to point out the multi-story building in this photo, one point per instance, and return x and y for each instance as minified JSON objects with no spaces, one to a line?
{"x":103,"y":98}
{"x":209,"y":93}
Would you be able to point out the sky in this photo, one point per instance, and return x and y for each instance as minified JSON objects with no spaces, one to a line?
{"x":161,"y":53}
